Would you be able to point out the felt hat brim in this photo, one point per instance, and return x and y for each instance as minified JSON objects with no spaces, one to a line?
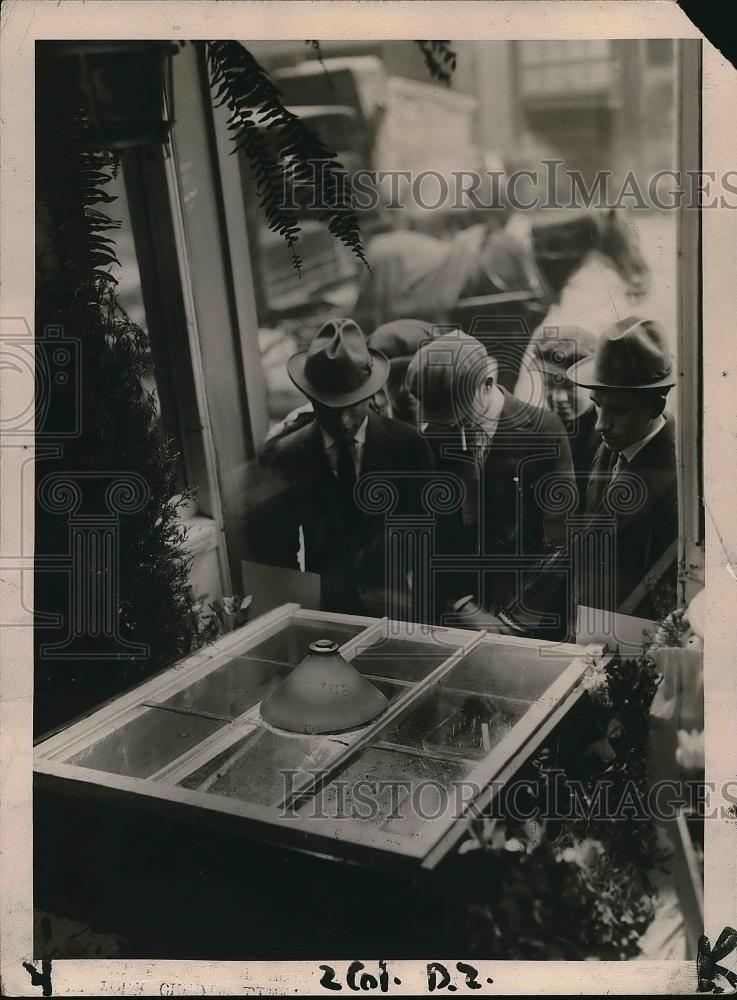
{"x":582,"y":373}
{"x":376,"y":380}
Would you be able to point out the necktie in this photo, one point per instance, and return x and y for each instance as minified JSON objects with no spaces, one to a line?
{"x":471,"y":474}
{"x":346,"y":474}
{"x":346,"y":468}
{"x":601,"y":476}
{"x":620,"y":465}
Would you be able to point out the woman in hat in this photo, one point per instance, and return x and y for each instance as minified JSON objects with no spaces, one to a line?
{"x":633,"y":478}
{"x":324,"y":460}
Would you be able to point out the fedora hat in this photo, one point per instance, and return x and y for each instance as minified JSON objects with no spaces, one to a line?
{"x":556,"y":354}
{"x":338,"y":369}
{"x":631,"y":354}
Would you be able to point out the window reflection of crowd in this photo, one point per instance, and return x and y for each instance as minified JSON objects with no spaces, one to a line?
{"x":406,"y":404}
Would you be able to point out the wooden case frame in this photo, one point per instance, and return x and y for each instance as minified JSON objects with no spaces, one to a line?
{"x":334,"y":838}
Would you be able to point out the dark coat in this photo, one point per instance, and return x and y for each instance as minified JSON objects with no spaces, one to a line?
{"x":347,"y":551}
{"x":644,"y":531}
{"x":520,"y":519}
{"x":585,"y":441}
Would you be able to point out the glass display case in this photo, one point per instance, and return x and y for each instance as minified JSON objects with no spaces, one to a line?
{"x":464,"y":710}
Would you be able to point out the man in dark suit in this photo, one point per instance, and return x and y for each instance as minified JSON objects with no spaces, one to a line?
{"x":569,"y":402}
{"x":325,"y":461}
{"x":633,"y":485}
{"x":514,"y":463}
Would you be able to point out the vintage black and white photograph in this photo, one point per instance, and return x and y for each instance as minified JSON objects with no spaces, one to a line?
{"x":362,"y":555}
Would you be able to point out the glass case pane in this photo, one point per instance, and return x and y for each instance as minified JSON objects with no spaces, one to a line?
{"x":264,"y":766}
{"x":385,"y":786}
{"x":232,"y":689}
{"x":291,"y":644}
{"x":456,"y":723}
{"x":402,"y":659}
{"x":145,"y":744}
{"x":508,"y":671}
{"x":423,"y":757}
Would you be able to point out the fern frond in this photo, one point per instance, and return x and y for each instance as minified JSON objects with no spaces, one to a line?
{"x":440,"y":59}
{"x":299,"y":157}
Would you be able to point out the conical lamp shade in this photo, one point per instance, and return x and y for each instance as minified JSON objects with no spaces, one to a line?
{"x":324,"y":694}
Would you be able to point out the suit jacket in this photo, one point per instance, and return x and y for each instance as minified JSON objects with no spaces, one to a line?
{"x":348,"y":551}
{"x":520,"y":515}
{"x":585,"y":441}
{"x":643,"y":502}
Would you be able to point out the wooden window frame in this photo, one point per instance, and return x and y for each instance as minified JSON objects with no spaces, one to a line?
{"x":689,"y":439}
{"x":425,"y":848}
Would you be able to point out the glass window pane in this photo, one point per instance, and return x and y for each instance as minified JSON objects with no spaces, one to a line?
{"x":438,"y":740}
{"x":457,"y":723}
{"x":231,"y":689}
{"x":291,"y":644}
{"x":402,"y":659}
{"x":508,"y":672}
{"x":381,"y":783}
{"x":146,"y":743}
{"x":264,"y":766}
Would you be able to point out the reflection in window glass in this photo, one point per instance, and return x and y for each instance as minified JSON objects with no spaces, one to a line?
{"x":147,"y":743}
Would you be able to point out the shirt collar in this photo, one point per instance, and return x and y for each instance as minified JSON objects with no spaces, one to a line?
{"x":487,"y":425}
{"x":630,"y":452}
{"x":360,"y":438}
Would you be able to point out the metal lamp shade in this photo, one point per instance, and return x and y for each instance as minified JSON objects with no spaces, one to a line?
{"x":324,"y":694}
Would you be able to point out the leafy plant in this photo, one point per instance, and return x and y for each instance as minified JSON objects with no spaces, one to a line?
{"x":440,"y":60}
{"x":576,"y":886}
{"x":283,"y":151}
{"x":529,"y":895}
{"x":119,"y":434}
{"x":256,"y":108}
{"x":216,"y":618}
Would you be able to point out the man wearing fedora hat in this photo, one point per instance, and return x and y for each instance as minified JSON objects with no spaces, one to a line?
{"x":633,"y":478}
{"x":510,"y":457}
{"x":324,"y":460}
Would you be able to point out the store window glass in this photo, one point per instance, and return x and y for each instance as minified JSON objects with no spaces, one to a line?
{"x":129,"y":295}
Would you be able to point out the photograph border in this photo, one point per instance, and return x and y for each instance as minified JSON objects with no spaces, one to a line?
{"x":25,"y":22}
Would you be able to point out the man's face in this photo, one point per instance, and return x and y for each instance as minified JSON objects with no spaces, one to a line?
{"x":458,"y":417}
{"x":622,"y":417}
{"x":565,"y":399}
{"x":341,"y":423}
{"x":404,"y":404}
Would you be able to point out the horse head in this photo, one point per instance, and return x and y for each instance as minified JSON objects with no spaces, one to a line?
{"x":617,"y":241}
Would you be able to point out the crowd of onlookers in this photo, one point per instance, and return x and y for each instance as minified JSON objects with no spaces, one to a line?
{"x":410,"y":410}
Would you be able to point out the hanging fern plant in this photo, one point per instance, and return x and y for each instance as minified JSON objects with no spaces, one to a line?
{"x":440,"y":60}
{"x":291,"y":158}
{"x":257,"y":109}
